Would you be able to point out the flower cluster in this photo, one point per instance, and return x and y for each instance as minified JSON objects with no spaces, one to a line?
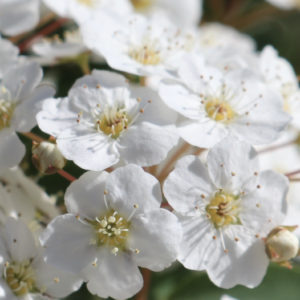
{"x":172,"y":139}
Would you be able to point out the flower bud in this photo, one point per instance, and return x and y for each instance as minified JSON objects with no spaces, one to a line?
{"x":47,"y":158}
{"x":281,"y":244}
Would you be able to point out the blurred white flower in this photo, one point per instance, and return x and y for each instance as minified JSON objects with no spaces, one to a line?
{"x":286,"y":4}
{"x":114,"y":225}
{"x":18,"y":16}
{"x":213,"y":105}
{"x":136,"y":44}
{"x":24,"y":274}
{"x":20,"y":95}
{"x":103,"y":121}
{"x":279,"y":75}
{"x":184,"y":13}
{"x":82,"y":10}
{"x":225,"y":206}
{"x":8,"y":56}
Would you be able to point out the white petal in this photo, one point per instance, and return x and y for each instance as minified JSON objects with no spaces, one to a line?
{"x":131,"y":185}
{"x":146,"y":144}
{"x":185,"y":185}
{"x":68,"y":243}
{"x":84,"y":197}
{"x":19,"y":240}
{"x":11,"y":148}
{"x":156,"y":235}
{"x":116,"y":276}
{"x":231,"y":163}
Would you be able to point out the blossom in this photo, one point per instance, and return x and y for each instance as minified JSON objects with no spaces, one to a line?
{"x":20,"y":95}
{"x":82,"y":10}
{"x":285,"y":4}
{"x":21,"y":198}
{"x":225,"y":206}
{"x":103,"y":121}
{"x":8,"y":56}
{"x":55,"y":48}
{"x":114,"y":224}
{"x":183,"y":12}
{"x":135,"y":44}
{"x":23,"y":270}
{"x":18,"y":16}
{"x":212,"y":105}
{"x":279,"y":75}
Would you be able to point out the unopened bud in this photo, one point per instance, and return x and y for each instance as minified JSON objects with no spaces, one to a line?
{"x":281,"y":244}
{"x":47,"y":158}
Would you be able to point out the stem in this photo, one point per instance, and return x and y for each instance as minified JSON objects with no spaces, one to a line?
{"x":290,"y":174}
{"x":47,"y":18}
{"x":276,"y":147}
{"x":294,"y":179}
{"x":38,"y":139}
{"x":164,"y":173}
{"x":143,"y":294}
{"x":45,"y":31}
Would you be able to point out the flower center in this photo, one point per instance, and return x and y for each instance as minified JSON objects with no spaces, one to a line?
{"x":219,"y":110}
{"x":141,"y":5}
{"x":20,"y":277}
{"x":112,"y":121}
{"x":6,"y":112}
{"x":147,"y":54}
{"x":87,"y":2}
{"x":223,"y":209}
{"x":112,"y":230}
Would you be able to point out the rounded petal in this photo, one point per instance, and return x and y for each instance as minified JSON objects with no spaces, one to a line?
{"x":11,"y":148}
{"x":231,"y":163}
{"x":20,"y":241}
{"x":84,"y":197}
{"x":68,"y":243}
{"x":115,"y":276}
{"x":185,"y":185}
{"x":130,"y":186}
{"x":146,"y":144}
{"x":156,"y":235}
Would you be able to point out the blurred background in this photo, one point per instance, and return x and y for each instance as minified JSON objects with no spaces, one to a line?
{"x":267,"y":25}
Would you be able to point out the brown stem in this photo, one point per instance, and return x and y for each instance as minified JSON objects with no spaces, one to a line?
{"x":143,"y":294}
{"x":66,"y":175}
{"x":166,"y":170}
{"x":47,"y":18}
{"x":294,"y":179}
{"x":52,"y":27}
{"x":290,"y":174}
{"x":276,"y":147}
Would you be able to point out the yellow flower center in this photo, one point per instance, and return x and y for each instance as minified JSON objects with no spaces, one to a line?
{"x":141,"y":5}
{"x":112,"y":122}
{"x":219,"y":111}
{"x":6,"y":112}
{"x":223,"y":209}
{"x":147,"y":54}
{"x":111,"y":230}
{"x":20,"y":277}
{"x":87,"y":2}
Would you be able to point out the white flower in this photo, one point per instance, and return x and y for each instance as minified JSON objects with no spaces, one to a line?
{"x":18,"y":16}
{"x":8,"y":56}
{"x":213,"y":105}
{"x":24,"y":274}
{"x":103,"y":121}
{"x":183,"y":12}
{"x":136,"y":44}
{"x":225,"y":206}
{"x":285,"y":4}
{"x":20,"y":96}
{"x":114,"y":225}
{"x":52,"y":49}
{"x":82,"y":10}
{"x":279,"y":74}
{"x":21,"y":198}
